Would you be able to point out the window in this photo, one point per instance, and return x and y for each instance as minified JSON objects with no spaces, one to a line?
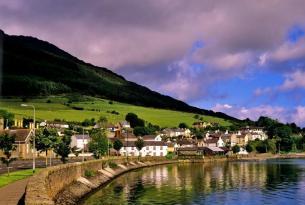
{"x":147,"y":148}
{"x":154,"y":147}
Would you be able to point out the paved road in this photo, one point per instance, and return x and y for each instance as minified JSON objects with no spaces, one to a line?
{"x":28,"y":164}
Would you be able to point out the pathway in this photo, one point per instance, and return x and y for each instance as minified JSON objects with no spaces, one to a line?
{"x":12,"y":193}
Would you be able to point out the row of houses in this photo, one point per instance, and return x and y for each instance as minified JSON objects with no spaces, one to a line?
{"x":168,"y":140}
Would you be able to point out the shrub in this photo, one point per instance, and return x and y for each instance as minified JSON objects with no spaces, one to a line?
{"x":110,"y":102}
{"x":113,"y":165}
{"x":77,"y":108}
{"x":49,"y":101}
{"x":89,"y":173}
{"x":170,"y":155}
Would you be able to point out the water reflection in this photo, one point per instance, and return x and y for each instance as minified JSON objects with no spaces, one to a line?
{"x":270,"y":182}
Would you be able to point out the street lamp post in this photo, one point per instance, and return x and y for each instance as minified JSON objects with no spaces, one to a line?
{"x":34,"y":146}
{"x":83,"y":151}
{"x":127,"y":145}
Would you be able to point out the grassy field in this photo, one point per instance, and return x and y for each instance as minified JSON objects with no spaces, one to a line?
{"x":94,"y":108}
{"x":14,"y":176}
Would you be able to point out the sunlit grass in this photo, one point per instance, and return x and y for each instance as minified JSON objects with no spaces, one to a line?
{"x":15,"y":176}
{"x":57,"y":110}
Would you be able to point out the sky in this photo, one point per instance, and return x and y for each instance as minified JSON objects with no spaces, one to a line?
{"x":244,"y":58}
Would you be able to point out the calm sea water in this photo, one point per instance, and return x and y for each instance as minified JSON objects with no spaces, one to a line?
{"x":269,"y":182}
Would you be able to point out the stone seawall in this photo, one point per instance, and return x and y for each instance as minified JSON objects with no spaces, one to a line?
{"x":67,"y":184}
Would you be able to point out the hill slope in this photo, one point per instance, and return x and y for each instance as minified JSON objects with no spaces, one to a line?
{"x":51,"y":108}
{"x":32,"y":67}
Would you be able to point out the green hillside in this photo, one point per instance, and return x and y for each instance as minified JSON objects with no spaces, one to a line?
{"x":94,"y":108}
{"x":33,"y":68}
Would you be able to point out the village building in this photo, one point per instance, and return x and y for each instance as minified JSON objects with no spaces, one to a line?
{"x":176,"y":132}
{"x":186,"y":143}
{"x":214,"y":142}
{"x":151,"y":148}
{"x":80,"y":142}
{"x":210,"y":151}
{"x":124,"y":124}
{"x":54,"y":124}
{"x":22,"y":142}
{"x":255,"y":132}
{"x":201,"y":124}
{"x":242,"y":139}
{"x":152,"y":137}
{"x":229,"y":139}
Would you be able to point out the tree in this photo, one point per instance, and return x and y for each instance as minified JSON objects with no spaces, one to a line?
{"x":196,"y":116}
{"x":235,"y":149}
{"x":98,"y":144}
{"x":284,"y":133}
{"x":271,"y":145}
{"x":103,"y":121}
{"x":88,"y":122}
{"x":46,"y":140}
{"x":139,"y":144}
{"x":183,"y":125}
{"x":62,"y":148}
{"x":117,"y":145}
{"x":7,"y":145}
{"x":141,"y":131}
{"x":134,"y":120}
{"x":249,"y":148}
{"x":8,"y":117}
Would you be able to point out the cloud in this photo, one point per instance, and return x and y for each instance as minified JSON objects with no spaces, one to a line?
{"x":143,"y":39}
{"x":293,"y":80}
{"x":263,"y":91}
{"x":253,"y":113}
{"x":280,"y":113}
{"x":299,"y":115}
{"x":288,"y":51}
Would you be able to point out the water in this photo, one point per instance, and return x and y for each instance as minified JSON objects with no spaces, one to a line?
{"x":268,"y":182}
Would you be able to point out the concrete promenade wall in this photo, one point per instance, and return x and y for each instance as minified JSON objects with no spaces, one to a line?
{"x":67,"y":184}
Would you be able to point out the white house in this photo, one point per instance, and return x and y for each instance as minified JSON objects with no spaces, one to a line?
{"x":215,"y":142}
{"x":256,"y":133}
{"x":80,"y":141}
{"x":124,"y":124}
{"x":151,"y":148}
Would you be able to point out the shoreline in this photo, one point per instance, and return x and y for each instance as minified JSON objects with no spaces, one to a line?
{"x":70,"y":184}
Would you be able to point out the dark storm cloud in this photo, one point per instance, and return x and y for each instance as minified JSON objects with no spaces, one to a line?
{"x":150,"y":41}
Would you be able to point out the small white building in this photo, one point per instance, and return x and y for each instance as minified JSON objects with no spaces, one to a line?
{"x":214,"y":142}
{"x":151,"y":148}
{"x":124,"y":124}
{"x":80,"y":141}
{"x":256,"y":133}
